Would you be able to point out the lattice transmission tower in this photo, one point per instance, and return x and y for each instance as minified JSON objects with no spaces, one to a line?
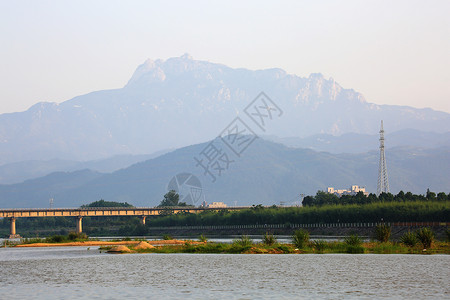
{"x":383,"y":183}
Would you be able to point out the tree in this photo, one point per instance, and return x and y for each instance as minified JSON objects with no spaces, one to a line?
{"x":308,"y":201}
{"x":103,"y":203}
{"x":324,"y":198}
{"x":430,"y":195}
{"x":171,"y":198}
{"x":441,"y":197}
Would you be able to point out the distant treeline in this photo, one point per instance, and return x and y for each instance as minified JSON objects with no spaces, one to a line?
{"x":418,"y":211}
{"x":323,"y":198}
{"x":322,"y":208}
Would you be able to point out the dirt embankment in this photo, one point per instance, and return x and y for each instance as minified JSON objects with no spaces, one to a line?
{"x":105,"y":243}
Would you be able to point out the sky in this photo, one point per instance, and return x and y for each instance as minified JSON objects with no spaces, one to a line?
{"x":393,"y":52}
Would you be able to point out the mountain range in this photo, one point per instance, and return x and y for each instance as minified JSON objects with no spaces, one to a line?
{"x":296,"y":136}
{"x":181,"y":101}
{"x":265,"y":173}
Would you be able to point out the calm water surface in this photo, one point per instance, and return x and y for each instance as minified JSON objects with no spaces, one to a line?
{"x":79,"y":273}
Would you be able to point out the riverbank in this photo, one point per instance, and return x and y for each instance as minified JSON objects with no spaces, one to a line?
{"x":318,"y":247}
{"x":103,"y":243}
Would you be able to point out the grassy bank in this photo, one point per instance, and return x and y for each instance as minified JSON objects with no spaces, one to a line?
{"x":323,"y":247}
{"x":244,"y":245}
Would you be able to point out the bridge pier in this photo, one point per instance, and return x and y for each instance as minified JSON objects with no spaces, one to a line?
{"x":143,"y":220}
{"x":12,"y":233}
{"x":79,"y":224}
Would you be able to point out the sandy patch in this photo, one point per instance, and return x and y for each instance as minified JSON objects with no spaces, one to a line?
{"x":143,"y":245}
{"x":119,"y":249}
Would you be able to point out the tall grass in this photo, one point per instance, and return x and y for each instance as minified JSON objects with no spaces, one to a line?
{"x":300,"y":238}
{"x":202,"y":238}
{"x":425,"y":236}
{"x":382,"y":233}
{"x":409,"y":239}
{"x":319,"y":245}
{"x":419,"y":211}
{"x":243,"y":241}
{"x":353,"y":244}
{"x":269,"y":239}
{"x":167,"y":237}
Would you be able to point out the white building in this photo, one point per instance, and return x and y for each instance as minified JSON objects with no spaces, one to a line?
{"x":352,"y":191}
{"x":217,"y":205}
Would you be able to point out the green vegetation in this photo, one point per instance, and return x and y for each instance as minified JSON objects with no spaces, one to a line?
{"x":418,"y":211}
{"x":425,"y":236}
{"x":431,"y":209}
{"x":71,"y":237}
{"x":269,"y":239}
{"x":300,"y":238}
{"x":409,"y":239}
{"x":167,"y":237}
{"x":171,"y":198}
{"x":323,"y":198}
{"x":352,"y":245}
{"x":319,"y":246}
{"x":382,"y":233}
{"x":202,"y":238}
{"x":244,"y":241}
{"x":103,"y":203}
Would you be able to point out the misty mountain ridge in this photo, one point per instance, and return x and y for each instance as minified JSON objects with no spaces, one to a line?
{"x":266,"y":173}
{"x":360,"y":143}
{"x":182,"y":101}
{"x":24,"y":170}
{"x":347,"y":143}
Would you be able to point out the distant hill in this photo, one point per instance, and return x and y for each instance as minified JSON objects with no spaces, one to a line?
{"x":359,"y":143}
{"x":24,"y":170}
{"x":266,"y":173}
{"x":346,"y":143}
{"x":181,"y":101}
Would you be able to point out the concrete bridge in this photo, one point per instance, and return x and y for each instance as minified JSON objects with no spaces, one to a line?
{"x":79,"y":213}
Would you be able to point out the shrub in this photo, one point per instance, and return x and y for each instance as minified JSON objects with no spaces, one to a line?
{"x":283,"y":248}
{"x":447,"y":232}
{"x":320,"y":245}
{"x":425,"y":236}
{"x":353,"y":240}
{"x":300,"y":238}
{"x":382,"y":233}
{"x":387,"y":248}
{"x":409,"y":239}
{"x":353,"y":244}
{"x":56,"y":239}
{"x":243,"y":241}
{"x":77,"y":236}
{"x":167,"y":237}
{"x":202,"y":238}
{"x":269,"y":239}
{"x":354,"y":249}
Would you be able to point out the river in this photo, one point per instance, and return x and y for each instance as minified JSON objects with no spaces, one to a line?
{"x":85,"y":273}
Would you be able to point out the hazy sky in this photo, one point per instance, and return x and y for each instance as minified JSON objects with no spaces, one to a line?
{"x":393,"y":52}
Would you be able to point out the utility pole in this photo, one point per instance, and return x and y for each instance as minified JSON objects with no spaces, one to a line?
{"x":383,"y":183}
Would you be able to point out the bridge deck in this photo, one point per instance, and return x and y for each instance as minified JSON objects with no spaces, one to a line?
{"x":101,"y":211}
